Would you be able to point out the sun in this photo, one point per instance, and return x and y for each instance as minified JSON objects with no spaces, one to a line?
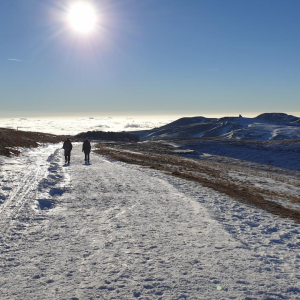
{"x":82,"y":17}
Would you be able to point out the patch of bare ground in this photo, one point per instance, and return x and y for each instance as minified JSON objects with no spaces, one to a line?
{"x":8,"y":140}
{"x":214,"y":175}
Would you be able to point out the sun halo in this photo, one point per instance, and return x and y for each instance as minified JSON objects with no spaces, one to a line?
{"x":82,"y":17}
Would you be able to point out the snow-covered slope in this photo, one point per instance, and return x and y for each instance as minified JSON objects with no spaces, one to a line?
{"x":282,"y":154}
{"x":265,"y":132}
{"x":268,"y":126}
{"x":115,"y":231}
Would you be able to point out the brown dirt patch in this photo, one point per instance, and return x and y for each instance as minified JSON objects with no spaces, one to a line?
{"x":8,"y":140}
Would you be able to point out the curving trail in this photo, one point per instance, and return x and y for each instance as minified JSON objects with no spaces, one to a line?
{"x":115,"y":231}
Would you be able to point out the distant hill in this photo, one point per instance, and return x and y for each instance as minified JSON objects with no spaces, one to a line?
{"x":102,"y":135}
{"x":188,"y":121}
{"x":277,"y":117}
{"x":267,"y":126}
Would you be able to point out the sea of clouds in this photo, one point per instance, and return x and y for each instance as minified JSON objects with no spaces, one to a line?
{"x":73,"y":126}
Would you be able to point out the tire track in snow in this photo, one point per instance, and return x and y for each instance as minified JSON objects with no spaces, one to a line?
{"x":20,"y":185}
{"x":18,"y":199}
{"x":21,"y":194}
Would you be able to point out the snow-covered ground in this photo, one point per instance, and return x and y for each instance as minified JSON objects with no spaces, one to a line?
{"x":282,"y":154}
{"x":115,"y":231}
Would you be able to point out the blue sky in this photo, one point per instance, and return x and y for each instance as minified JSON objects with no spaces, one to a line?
{"x":167,"y":57}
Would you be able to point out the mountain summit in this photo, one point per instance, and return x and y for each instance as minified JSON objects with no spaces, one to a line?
{"x":264,"y":127}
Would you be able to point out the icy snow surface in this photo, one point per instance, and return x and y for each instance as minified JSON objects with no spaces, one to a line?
{"x":115,"y":231}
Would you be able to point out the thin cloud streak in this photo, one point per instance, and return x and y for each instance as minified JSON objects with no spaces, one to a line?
{"x":15,"y":59}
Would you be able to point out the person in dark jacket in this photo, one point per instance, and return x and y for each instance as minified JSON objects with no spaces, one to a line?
{"x":86,"y":148}
{"x":68,"y":148}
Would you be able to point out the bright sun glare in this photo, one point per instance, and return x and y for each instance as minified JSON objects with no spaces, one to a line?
{"x":82,"y":17}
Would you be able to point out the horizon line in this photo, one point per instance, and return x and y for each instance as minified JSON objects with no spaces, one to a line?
{"x":137,"y":115}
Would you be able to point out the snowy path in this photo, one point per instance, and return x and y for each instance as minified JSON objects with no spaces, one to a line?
{"x":118,"y":231}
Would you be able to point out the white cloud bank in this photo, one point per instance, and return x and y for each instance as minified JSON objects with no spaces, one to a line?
{"x":72,"y":126}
